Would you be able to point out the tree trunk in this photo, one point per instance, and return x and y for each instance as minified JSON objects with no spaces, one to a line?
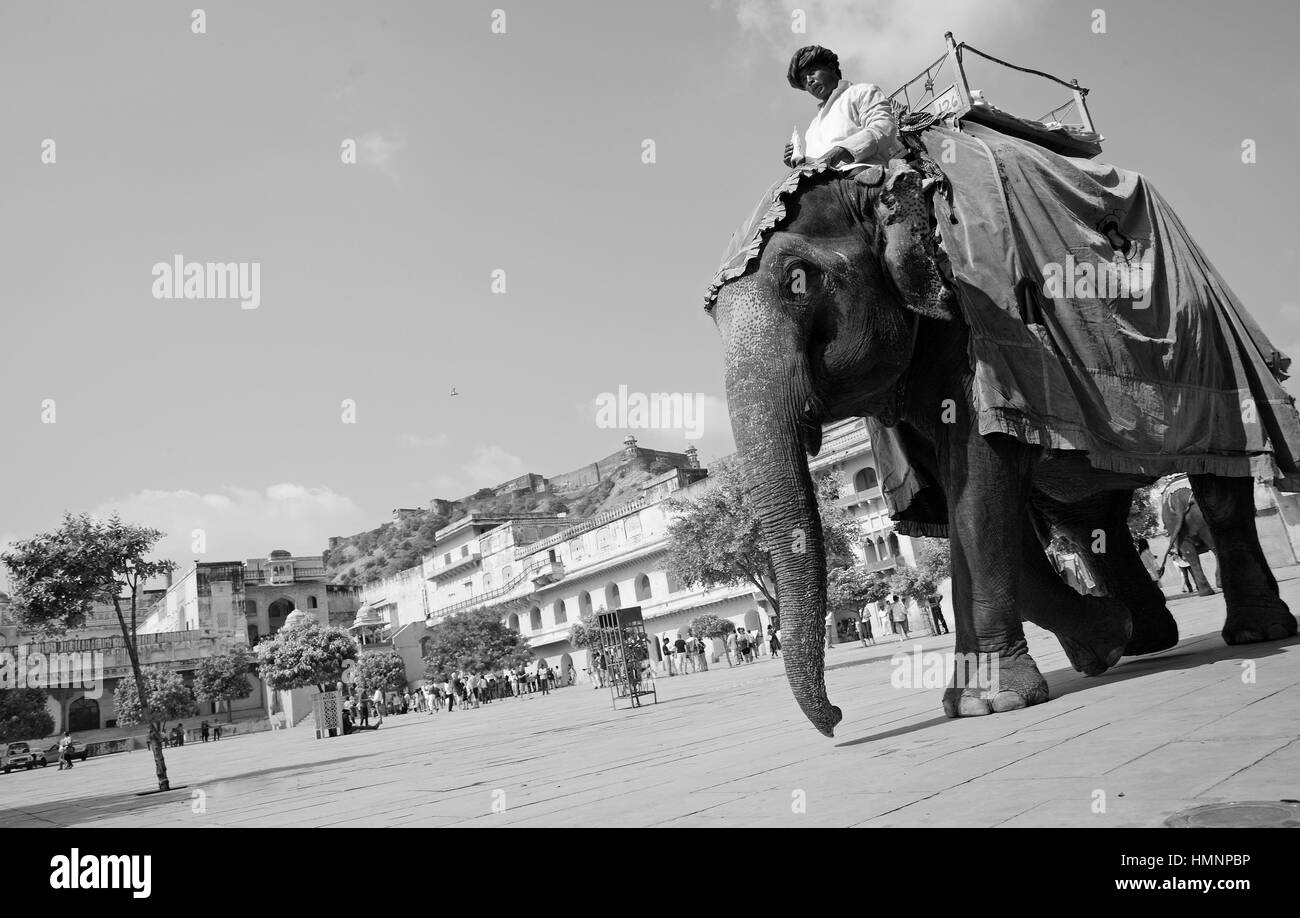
{"x":155,"y":735}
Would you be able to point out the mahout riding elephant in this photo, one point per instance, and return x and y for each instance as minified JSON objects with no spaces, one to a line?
{"x":842,"y":303}
{"x":1190,"y":536}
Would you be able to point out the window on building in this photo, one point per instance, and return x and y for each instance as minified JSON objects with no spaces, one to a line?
{"x":487,"y":580}
{"x":446,"y":559}
{"x":584,"y":603}
{"x":311,"y":602}
{"x":250,"y":608}
{"x":464,"y":551}
{"x":865,"y":480}
{"x":561,"y":614}
{"x":575,"y":549}
{"x":633,"y":528}
{"x":506,"y":573}
{"x":613,"y":597}
{"x":642,"y":588}
{"x":535,"y":619}
{"x":468,"y":586}
{"x":252,"y":635}
{"x":602,"y":539}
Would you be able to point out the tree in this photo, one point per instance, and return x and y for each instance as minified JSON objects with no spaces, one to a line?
{"x":167,"y":697}
{"x":224,"y":678}
{"x":306,"y":654}
{"x":716,"y":539}
{"x":583,"y":633}
{"x":58,"y":577}
{"x":851,"y":588}
{"x":475,"y":641}
{"x":1143,"y":520}
{"x":23,"y":715}
{"x":711,"y":626}
{"x":380,"y":669}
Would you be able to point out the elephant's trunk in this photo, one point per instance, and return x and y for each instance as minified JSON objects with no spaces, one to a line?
{"x":768,"y":391}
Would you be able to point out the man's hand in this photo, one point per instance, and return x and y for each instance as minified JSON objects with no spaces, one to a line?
{"x":835,"y":156}
{"x":789,"y":159}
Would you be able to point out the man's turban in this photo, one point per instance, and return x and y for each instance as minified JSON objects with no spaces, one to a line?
{"x":811,"y":56}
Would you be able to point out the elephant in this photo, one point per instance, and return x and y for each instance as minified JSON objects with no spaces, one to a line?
{"x":1189,"y":534}
{"x":844,"y":306}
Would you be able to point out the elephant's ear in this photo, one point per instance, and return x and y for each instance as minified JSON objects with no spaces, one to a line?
{"x":906,"y":230}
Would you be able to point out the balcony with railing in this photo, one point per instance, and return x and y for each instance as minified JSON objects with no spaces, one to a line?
{"x":167,"y":648}
{"x":263,"y":576}
{"x":507,"y":592}
{"x":444,"y":569}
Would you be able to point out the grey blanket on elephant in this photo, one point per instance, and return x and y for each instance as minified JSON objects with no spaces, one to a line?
{"x":1098,"y":324}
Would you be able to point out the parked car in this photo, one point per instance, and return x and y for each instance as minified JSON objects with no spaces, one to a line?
{"x":78,"y":752}
{"x":21,"y":755}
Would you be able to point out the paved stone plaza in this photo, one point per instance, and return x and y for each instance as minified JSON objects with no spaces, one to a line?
{"x":728,"y":747}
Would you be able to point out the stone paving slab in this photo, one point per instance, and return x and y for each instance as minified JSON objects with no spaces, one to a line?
{"x":728,"y":747}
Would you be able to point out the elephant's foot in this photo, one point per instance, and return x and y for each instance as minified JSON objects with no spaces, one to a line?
{"x":1095,"y":641}
{"x":1154,"y":629}
{"x":991,"y":684}
{"x":1266,"y":620}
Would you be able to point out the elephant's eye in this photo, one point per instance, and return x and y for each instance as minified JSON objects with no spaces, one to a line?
{"x":800,"y":280}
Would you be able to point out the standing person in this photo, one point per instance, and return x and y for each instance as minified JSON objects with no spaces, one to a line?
{"x":898,"y":615}
{"x":1186,"y":570}
{"x":216,"y":733}
{"x":203,"y":730}
{"x":1148,"y":559}
{"x":65,"y":751}
{"x":679,"y":653}
{"x":936,"y":613}
{"x":773,"y":642}
{"x":365,"y":711}
{"x":732,"y":653}
{"x":756,"y":642}
{"x":377,"y":701}
{"x":668,"y":656}
{"x":864,"y":627}
{"x":742,"y":645}
{"x":544,"y":677}
{"x":449,"y":691}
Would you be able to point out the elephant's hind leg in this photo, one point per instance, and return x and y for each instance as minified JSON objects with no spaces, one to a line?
{"x":1256,"y":611}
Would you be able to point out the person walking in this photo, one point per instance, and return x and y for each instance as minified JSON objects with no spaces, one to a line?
{"x":742,"y":645}
{"x":203,"y":731}
{"x":216,"y":733}
{"x":65,"y":751}
{"x":898,"y":615}
{"x":773,"y":644}
{"x":936,"y":613}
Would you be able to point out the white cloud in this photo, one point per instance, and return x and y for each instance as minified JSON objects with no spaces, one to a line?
{"x":884,"y":41}
{"x":492,"y":465}
{"x":240,"y":523}
{"x":1290,"y":312}
{"x":375,"y":149}
{"x":425,"y":442}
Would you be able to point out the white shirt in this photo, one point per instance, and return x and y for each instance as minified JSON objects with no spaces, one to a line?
{"x":857,"y":117}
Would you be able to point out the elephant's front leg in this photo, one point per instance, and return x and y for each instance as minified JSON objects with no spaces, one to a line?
{"x":987,"y":481}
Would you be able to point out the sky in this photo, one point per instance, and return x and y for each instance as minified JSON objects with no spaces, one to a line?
{"x":478,"y":151}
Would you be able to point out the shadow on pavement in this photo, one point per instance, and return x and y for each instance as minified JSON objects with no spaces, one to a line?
{"x":91,"y":808}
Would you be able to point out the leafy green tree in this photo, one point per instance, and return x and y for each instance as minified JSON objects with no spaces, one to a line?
{"x":716,"y":539}
{"x":58,"y":577}
{"x":23,"y":715}
{"x":711,"y":626}
{"x":304,"y":655}
{"x":167,"y":697}
{"x":224,"y":678}
{"x":380,"y":669}
{"x":474,"y":641}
